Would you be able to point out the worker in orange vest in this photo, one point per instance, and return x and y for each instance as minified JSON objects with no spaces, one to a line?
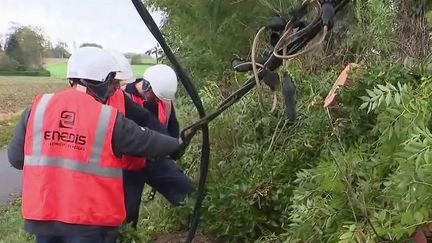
{"x":69,"y":146}
{"x":156,"y":91}
{"x":164,"y":175}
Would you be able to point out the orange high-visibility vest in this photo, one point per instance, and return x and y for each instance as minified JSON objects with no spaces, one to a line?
{"x":117,"y":100}
{"x":71,"y":174}
{"x":164,"y":108}
{"x":164,"y":112}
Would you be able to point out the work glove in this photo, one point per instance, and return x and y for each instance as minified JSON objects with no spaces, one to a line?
{"x":180,"y":151}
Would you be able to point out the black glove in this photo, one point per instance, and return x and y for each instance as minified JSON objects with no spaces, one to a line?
{"x":180,"y":151}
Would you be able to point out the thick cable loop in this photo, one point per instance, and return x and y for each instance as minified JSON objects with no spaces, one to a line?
{"x":285,"y":37}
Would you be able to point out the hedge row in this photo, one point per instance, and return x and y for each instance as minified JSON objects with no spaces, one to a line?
{"x":41,"y":73}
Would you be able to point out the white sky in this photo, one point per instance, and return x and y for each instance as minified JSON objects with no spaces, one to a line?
{"x":114,"y":24}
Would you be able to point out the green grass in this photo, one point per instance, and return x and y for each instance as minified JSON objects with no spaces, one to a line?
{"x":59,"y":69}
{"x":7,"y":129}
{"x":11,"y":224}
{"x":139,"y":70}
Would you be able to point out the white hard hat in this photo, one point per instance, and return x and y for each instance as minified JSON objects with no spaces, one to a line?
{"x":91,"y":63}
{"x":163,"y":81}
{"x":125,"y":73}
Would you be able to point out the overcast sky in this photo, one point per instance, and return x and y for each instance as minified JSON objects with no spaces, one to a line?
{"x":114,"y":24}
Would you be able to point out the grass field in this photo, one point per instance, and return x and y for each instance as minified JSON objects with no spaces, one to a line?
{"x":58,"y":68}
{"x":17,"y":92}
{"x":7,"y":128}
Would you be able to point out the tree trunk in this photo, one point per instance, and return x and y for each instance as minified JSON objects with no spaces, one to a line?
{"x":412,"y":31}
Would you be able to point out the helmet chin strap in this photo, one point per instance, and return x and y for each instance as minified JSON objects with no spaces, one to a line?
{"x":98,"y":90}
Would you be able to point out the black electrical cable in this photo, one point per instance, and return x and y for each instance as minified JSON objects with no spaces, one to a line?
{"x":205,"y":145}
{"x":296,"y":45}
{"x":301,"y":41}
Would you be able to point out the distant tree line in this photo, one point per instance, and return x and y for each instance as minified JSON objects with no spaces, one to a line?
{"x":25,"y":47}
{"x":134,"y":58}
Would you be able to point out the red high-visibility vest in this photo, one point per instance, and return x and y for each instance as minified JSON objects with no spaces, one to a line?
{"x":71,"y":174}
{"x":117,"y":100}
{"x":164,"y":108}
{"x":164,"y":112}
{"x":136,"y":99}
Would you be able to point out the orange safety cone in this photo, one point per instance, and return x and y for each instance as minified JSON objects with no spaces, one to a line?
{"x":341,"y":81}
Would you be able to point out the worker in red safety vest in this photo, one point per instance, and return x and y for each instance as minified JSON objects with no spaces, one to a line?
{"x":69,"y":146}
{"x":156,"y":91}
{"x":164,"y":175}
{"x":117,"y":100}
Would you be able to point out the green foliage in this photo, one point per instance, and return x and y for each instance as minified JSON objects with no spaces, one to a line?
{"x":25,"y":45}
{"x":364,"y":32}
{"x":90,"y":44}
{"x":376,"y":189}
{"x":245,"y":205}
{"x":58,"y":51}
{"x":5,"y":62}
{"x":205,"y":35}
{"x":358,"y":172}
{"x":429,"y":17}
{"x":334,"y":176}
{"x":7,"y":128}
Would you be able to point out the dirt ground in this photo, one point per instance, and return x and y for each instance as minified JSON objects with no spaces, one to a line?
{"x":18,"y":92}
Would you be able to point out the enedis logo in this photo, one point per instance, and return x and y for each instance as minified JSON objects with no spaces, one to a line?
{"x":66,"y":138}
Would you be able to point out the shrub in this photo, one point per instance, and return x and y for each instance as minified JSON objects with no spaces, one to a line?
{"x":5,"y":63}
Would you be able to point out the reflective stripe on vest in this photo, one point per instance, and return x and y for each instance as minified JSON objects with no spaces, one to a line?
{"x":117,"y":100}
{"x":92,"y":167}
